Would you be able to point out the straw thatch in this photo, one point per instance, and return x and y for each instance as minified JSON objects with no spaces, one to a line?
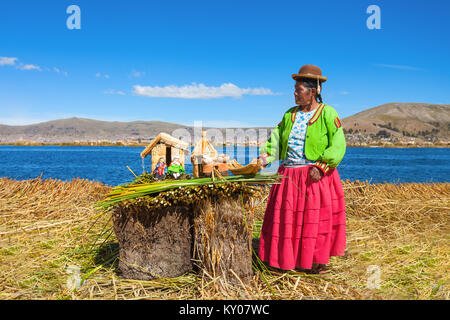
{"x":166,"y":139}
{"x":223,"y":239}
{"x":152,"y":243}
{"x":205,"y":147}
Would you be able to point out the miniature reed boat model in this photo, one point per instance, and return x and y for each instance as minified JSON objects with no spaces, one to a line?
{"x":207,"y":161}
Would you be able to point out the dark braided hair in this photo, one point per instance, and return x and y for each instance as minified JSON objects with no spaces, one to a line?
{"x":312,"y":83}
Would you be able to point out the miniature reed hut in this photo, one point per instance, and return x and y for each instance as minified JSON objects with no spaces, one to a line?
{"x":166,"y":146}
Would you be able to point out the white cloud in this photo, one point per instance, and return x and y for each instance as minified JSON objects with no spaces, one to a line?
{"x":57,"y":70}
{"x":10,"y":61}
{"x":7,"y":61}
{"x":29,"y":67}
{"x":111,"y":91}
{"x":137,"y":74}
{"x":399,"y":67}
{"x":345,"y":93}
{"x":198,"y":91}
{"x":99,"y":75}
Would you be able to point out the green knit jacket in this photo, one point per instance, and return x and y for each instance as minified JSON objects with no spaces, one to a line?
{"x":324,"y":142}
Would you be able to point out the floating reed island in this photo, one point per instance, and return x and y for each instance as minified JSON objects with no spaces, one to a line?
{"x":48,"y":225}
{"x":171,"y":227}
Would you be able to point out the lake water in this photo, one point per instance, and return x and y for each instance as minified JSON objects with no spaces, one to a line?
{"x":108,"y":164}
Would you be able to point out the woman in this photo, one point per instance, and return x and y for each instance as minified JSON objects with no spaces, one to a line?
{"x":304,"y":222}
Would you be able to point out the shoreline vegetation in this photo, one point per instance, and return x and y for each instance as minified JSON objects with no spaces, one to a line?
{"x":55,"y":245}
{"x":131,"y":144}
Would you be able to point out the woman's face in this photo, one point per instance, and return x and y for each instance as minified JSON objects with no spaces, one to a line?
{"x":302,"y":95}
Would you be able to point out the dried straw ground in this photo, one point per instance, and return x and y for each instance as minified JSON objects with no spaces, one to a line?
{"x":47,"y":231}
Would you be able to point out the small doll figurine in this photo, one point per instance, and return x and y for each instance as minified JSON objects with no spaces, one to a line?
{"x":175,"y":168}
{"x":160,"y":169}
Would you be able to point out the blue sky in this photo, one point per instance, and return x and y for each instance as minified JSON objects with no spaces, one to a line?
{"x":227,"y":63}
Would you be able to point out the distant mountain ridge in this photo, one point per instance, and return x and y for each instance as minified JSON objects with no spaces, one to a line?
{"x":80,"y":128}
{"x":402,"y":119}
{"x":393,"y":119}
{"x":72,"y":129}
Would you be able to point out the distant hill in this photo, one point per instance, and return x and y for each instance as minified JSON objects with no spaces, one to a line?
{"x":80,"y":128}
{"x":67,"y":130}
{"x":399,"y":120}
{"x":402,"y":119}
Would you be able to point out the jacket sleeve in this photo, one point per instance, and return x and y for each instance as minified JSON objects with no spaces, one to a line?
{"x":270,"y":151}
{"x":334,"y":153}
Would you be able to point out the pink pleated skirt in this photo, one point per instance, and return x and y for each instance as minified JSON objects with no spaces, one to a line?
{"x":304,"y":222}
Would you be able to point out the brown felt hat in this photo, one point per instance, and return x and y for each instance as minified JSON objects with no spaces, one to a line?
{"x":310,"y":72}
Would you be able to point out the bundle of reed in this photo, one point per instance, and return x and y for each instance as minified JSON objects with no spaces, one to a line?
{"x":153,"y":242}
{"x":189,"y":196}
{"x":135,"y":191}
{"x":223,"y":239}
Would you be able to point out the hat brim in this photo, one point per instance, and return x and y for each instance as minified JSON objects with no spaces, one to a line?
{"x":297,"y":76}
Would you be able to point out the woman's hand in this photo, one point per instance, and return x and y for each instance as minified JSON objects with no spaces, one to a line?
{"x":315,"y":174}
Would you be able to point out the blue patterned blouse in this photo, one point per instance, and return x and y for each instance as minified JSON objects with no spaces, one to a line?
{"x":296,"y":144}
